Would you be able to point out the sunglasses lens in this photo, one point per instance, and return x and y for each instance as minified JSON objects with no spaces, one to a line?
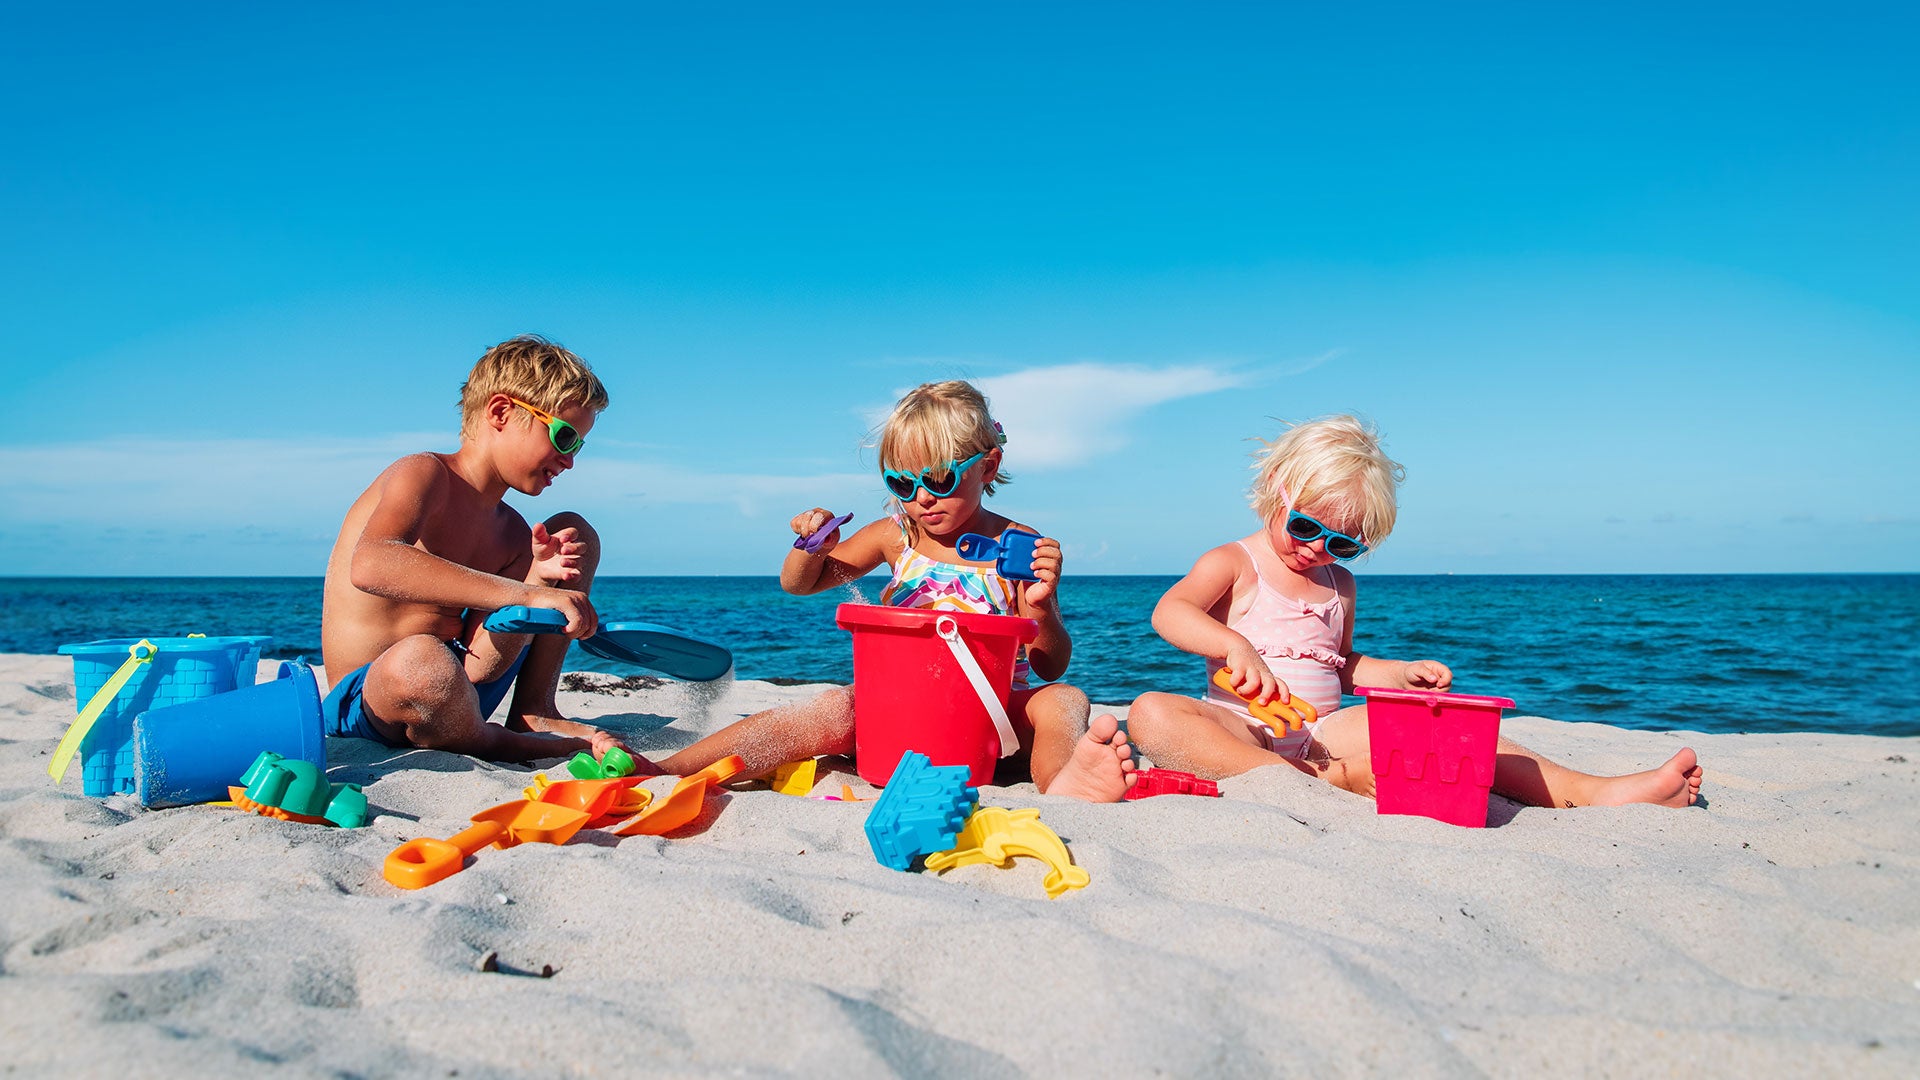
{"x":939,"y":481}
{"x":565,"y":438}
{"x":901,"y":486}
{"x":1342,"y":548}
{"x":1304,"y":529}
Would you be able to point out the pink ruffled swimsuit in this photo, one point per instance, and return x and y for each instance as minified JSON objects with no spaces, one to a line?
{"x":1300,"y":643}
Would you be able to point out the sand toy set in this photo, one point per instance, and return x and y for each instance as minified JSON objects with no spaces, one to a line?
{"x":177,"y":721}
{"x":552,"y":813}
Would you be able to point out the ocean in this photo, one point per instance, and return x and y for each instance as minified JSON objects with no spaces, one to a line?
{"x":1716,"y":653}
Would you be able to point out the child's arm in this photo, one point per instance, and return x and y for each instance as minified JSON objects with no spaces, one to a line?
{"x":1361,"y":670}
{"x":837,"y":561}
{"x":1052,"y":647}
{"x":387,"y":564}
{"x":1184,"y":617}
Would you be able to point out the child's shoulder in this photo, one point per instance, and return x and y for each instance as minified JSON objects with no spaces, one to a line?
{"x":416,"y":474}
{"x":1231,"y":559}
{"x":1342,"y":580}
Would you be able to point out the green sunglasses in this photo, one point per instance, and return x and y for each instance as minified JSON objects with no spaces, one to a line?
{"x":565,"y":437}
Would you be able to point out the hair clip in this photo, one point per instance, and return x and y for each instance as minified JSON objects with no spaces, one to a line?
{"x":999,"y":434}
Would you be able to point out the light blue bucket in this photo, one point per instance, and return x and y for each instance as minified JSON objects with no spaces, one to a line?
{"x":192,"y":752}
{"x":182,"y":669}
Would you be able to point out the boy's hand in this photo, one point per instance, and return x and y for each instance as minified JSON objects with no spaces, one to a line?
{"x":602,"y":741}
{"x":556,"y":556}
{"x":1251,"y":677}
{"x":582,"y":620}
{"x":1042,"y":593}
{"x":806,"y":524}
{"x":1427,"y":675}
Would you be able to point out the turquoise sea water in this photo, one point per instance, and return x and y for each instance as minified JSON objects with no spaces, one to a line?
{"x":1716,"y":653}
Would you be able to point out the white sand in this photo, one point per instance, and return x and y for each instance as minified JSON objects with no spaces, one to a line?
{"x":1283,"y":929}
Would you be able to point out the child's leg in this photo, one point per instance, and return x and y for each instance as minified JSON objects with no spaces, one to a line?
{"x":534,"y":706}
{"x":772,"y":737}
{"x":1069,"y":756}
{"x":1524,"y":776}
{"x":1198,"y":737}
{"x":419,"y":692}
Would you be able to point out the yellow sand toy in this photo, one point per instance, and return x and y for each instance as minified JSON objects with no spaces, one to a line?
{"x":995,"y":835}
{"x":796,"y":777}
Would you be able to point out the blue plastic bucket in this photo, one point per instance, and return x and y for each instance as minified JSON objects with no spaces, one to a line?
{"x":247,"y":650}
{"x":182,"y":669}
{"x":192,"y":752}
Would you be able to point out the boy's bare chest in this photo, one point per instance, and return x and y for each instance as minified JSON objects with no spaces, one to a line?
{"x":475,"y":537}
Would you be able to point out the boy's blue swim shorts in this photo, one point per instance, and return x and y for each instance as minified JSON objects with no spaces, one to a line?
{"x":343,"y":715}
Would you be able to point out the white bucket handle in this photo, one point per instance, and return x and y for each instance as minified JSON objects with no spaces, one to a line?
{"x":949,"y":630}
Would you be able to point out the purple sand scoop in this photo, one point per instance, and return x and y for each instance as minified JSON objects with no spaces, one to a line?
{"x":811,"y":542}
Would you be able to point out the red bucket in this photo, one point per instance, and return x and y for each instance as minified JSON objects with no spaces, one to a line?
{"x":911,"y":693}
{"x":1433,"y":753}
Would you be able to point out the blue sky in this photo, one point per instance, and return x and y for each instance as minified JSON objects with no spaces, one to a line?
{"x":1626,"y":289}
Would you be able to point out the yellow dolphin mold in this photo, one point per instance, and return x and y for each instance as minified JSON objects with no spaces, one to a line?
{"x":995,"y":835}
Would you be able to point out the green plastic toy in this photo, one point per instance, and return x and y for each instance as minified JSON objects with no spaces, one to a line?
{"x":616,"y":764}
{"x":295,"y":790}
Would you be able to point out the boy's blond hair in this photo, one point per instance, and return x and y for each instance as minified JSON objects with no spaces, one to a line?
{"x":935,"y":423}
{"x":1335,"y":465}
{"x":534,"y":370}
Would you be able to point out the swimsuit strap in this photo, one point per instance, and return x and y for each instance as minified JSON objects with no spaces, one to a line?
{"x":1310,"y":607}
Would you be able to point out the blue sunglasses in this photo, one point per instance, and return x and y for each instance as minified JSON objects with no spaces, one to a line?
{"x":1339,"y":545}
{"x":940,"y":481}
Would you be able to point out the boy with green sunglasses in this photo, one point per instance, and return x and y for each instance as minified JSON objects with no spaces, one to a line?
{"x":429,"y":549}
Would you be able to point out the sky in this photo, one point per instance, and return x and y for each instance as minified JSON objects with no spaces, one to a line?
{"x":1625,"y":288}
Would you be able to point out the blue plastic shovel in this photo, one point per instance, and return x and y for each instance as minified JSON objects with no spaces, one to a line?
{"x":1012,"y":553}
{"x":656,"y":648}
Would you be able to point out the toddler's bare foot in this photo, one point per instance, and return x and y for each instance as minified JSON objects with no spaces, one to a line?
{"x":1676,"y":783}
{"x":1101,"y":767}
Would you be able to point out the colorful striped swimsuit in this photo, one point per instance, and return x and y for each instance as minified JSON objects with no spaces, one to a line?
{"x":930,"y":585}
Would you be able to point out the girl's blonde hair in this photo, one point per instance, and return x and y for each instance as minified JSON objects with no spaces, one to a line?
{"x":939,"y":422}
{"x":535,"y":370}
{"x":1335,"y":465}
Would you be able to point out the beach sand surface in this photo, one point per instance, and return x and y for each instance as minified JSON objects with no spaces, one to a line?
{"x":1285,"y":929}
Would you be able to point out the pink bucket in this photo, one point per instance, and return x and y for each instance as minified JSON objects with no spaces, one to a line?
{"x":910,"y":692}
{"x":1433,"y":753}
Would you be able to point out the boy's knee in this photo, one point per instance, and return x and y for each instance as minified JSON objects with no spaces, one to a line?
{"x":567,"y":519}
{"x":417,"y":671}
{"x":585,"y":535}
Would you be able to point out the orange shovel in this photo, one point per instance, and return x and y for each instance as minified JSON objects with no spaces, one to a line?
{"x":600,"y":800}
{"x":683,"y":804}
{"x":419,"y":863}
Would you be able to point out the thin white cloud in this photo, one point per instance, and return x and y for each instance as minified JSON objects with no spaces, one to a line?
{"x":1069,"y":414}
{"x":222,"y":484}
{"x":160,"y":481}
{"x":1301,"y":367}
{"x":753,"y":494}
